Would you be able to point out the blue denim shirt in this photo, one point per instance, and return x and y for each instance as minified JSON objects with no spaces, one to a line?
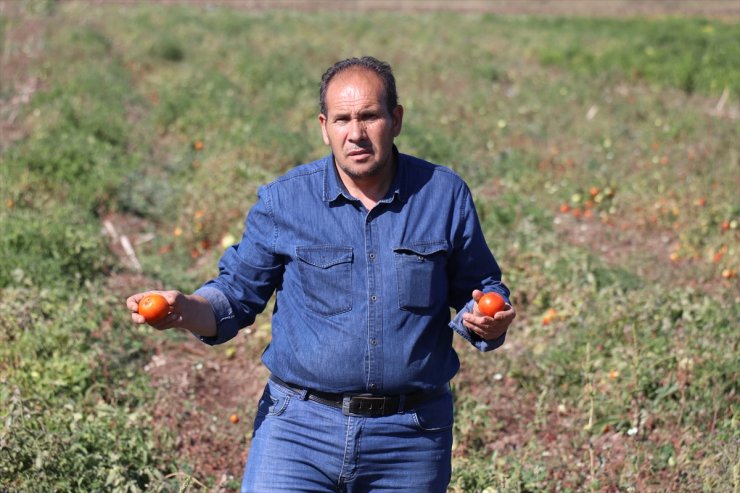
{"x":363,"y":297}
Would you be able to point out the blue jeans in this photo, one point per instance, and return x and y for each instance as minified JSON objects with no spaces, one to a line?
{"x":304,"y":446}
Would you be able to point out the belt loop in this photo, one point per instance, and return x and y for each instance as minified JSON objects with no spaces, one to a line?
{"x":303,"y":394}
{"x":345,"y":405}
{"x":401,"y":403}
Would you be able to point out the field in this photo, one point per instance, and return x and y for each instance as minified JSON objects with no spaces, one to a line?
{"x":603,"y":156}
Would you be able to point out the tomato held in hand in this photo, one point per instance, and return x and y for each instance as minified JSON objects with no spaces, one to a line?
{"x":153,"y":307}
{"x":490,"y":304}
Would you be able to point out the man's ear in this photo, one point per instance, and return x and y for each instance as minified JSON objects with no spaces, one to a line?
{"x":322,"y":122}
{"x":397,"y":120}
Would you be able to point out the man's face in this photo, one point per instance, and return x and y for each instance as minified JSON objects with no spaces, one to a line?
{"x":358,"y":126}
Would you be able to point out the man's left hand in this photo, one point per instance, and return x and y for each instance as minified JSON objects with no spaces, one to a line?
{"x":488,"y":327}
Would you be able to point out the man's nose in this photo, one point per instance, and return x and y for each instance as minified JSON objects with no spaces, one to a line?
{"x":356,"y":130}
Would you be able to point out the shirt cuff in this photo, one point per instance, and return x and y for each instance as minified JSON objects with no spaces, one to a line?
{"x":226,"y":324}
{"x":473,"y":338}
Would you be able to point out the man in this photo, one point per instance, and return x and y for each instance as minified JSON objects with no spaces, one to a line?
{"x":367,"y":249}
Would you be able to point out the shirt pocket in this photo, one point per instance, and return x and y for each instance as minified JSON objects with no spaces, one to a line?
{"x":421,"y":271}
{"x":326,"y":275}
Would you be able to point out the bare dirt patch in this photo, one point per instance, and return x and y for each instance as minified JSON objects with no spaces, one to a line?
{"x":619,"y":243}
{"x":642,"y":249}
{"x":199,"y":389}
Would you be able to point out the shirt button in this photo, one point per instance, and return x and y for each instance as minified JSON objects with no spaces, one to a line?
{"x":373,"y":386}
{"x":372,"y":256}
{"x":374,"y":341}
{"x":374,"y":298}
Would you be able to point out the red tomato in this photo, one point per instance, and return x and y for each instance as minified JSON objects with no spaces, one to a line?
{"x":490,"y":304}
{"x":153,"y":307}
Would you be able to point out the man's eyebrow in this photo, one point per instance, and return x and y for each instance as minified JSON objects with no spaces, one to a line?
{"x":339,"y":114}
{"x":365,"y":112}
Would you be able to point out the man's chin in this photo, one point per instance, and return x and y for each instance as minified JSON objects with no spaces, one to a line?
{"x":360,"y":170}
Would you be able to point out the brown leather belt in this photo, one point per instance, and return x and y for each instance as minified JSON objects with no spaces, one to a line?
{"x":369,"y":405}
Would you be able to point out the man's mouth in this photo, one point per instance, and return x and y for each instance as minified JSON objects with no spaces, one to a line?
{"x":359,"y":152}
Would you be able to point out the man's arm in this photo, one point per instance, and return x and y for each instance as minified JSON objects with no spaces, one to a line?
{"x":473,"y":270}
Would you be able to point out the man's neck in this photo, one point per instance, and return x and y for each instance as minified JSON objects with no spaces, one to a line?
{"x":369,"y":190}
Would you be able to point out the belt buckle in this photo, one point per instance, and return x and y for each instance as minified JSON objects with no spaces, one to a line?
{"x":364,"y":405}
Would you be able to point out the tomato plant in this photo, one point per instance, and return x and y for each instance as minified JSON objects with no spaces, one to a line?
{"x":153,"y":307}
{"x":490,"y":304}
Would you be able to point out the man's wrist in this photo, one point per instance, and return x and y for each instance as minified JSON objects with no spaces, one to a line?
{"x":198,"y":316}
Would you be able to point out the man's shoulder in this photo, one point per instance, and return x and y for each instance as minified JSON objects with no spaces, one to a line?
{"x":298,"y":175}
{"x":419,"y":166}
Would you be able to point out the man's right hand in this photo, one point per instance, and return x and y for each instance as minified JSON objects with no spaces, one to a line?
{"x":167,"y":322}
{"x":190,"y":312}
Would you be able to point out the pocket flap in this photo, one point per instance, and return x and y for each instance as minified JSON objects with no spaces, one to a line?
{"x":324,"y":257}
{"x":424,"y":249}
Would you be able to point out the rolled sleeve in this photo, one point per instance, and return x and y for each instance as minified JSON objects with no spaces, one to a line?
{"x":481,"y":344}
{"x":226,"y":323}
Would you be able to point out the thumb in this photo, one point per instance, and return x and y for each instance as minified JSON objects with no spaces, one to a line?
{"x":477,"y":295}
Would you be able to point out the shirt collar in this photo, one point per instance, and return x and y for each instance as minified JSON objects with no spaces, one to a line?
{"x":334,"y":188}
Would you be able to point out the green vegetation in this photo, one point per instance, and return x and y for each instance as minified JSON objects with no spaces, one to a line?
{"x":605,"y":175}
{"x":75,"y":407}
{"x":689,"y":54}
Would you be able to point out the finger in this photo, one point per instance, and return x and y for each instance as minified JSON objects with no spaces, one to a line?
{"x":489,"y":332}
{"x":168,"y":322}
{"x":477,"y":294}
{"x":132,"y":302}
{"x":170,"y":296}
{"x":505,"y":314}
{"x":486,"y":331}
{"x":472,"y":327}
{"x":478,"y":323}
{"x":138,"y":318}
{"x":476,"y":318}
{"x":501,"y":315}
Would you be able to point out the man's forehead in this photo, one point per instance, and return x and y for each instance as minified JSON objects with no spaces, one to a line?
{"x":355,"y":77}
{"x":355,"y":86}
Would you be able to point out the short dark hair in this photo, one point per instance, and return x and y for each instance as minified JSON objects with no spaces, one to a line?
{"x":382,"y":69}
